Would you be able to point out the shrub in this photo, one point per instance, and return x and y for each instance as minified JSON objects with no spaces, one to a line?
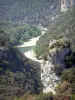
{"x":58,"y":70}
{"x":45,"y":96}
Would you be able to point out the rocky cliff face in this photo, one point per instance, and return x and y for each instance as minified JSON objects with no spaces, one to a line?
{"x":66,"y":4}
{"x":56,"y":56}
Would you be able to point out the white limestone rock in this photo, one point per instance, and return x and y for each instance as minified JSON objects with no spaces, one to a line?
{"x":48,"y":76}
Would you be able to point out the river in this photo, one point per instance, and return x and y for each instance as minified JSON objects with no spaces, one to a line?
{"x":27,"y":49}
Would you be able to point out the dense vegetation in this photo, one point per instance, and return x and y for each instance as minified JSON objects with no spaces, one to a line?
{"x":63,"y":26}
{"x":18,"y":75}
{"x":64,"y":91}
{"x":18,"y":32}
{"x":29,"y":11}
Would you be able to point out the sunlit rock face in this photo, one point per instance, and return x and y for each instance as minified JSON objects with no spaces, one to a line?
{"x":66,"y":4}
{"x":48,"y":76}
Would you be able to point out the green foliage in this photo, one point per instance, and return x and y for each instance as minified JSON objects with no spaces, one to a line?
{"x":38,"y":50}
{"x":69,"y":75}
{"x":29,"y":11}
{"x":62,"y":26}
{"x":45,"y":96}
{"x":60,"y":43}
{"x":3,"y":38}
{"x":18,"y":75}
{"x":72,"y":97}
{"x":58,"y":70}
{"x":19,"y":33}
{"x":70,"y":59}
{"x":66,"y":88}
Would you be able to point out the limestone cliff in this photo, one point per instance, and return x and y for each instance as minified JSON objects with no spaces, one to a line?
{"x":57,"y":51}
{"x":66,"y":4}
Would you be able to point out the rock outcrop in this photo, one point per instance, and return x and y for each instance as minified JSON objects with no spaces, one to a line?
{"x":57,"y":51}
{"x":66,"y":4}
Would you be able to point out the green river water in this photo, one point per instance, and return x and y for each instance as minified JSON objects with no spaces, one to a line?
{"x":25,"y":49}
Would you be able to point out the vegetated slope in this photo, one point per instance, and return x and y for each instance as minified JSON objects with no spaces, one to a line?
{"x":18,"y":75}
{"x":64,"y":91}
{"x":63,"y":26}
{"x":19,"y":32}
{"x":29,"y":11}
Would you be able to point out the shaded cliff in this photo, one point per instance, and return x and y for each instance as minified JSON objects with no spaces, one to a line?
{"x":52,"y":68}
{"x":66,"y":4}
{"x":18,"y":75}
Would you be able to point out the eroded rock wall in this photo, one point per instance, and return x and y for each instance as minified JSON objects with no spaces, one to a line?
{"x":56,"y":56}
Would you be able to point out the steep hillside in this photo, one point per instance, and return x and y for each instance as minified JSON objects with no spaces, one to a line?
{"x":29,"y":11}
{"x":19,"y":32}
{"x":57,"y":48}
{"x":20,"y":78}
{"x":63,"y":26}
{"x":18,"y":75}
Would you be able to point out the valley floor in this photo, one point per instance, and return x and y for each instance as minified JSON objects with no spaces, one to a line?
{"x":31,"y":55}
{"x":32,"y":42}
